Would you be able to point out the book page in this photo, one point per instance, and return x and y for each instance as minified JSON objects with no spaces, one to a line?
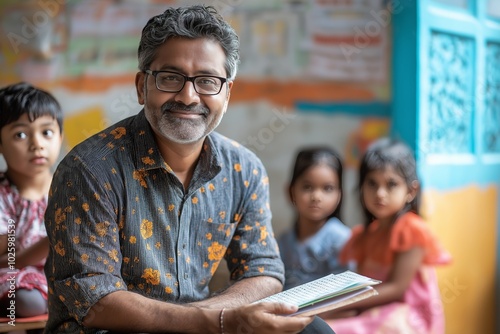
{"x":321,"y":289}
{"x":336,"y":302}
{"x":327,"y":293}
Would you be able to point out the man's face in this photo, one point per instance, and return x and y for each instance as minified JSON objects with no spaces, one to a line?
{"x":185,"y":117}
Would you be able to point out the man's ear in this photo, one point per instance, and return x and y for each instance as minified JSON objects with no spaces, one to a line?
{"x":228,"y":95}
{"x":229,"y":87}
{"x":139,"y":87}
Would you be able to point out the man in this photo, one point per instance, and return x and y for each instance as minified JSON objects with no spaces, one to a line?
{"x":141,"y":214}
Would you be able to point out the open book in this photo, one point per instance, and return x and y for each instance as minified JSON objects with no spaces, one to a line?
{"x":326,"y":293}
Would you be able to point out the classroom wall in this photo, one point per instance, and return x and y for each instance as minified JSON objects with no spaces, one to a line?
{"x":312,"y":72}
{"x":302,"y":80}
{"x":466,"y":221}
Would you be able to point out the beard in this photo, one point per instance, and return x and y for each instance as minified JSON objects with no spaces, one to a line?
{"x":185,"y":130}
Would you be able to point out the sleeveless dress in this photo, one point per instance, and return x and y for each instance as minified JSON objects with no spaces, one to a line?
{"x":26,"y":219}
{"x":421,"y":310}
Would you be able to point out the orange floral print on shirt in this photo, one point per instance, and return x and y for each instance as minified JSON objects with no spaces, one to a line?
{"x":151,"y":276}
{"x":263,"y":235}
{"x":117,"y":133}
{"x":148,"y":161}
{"x":60,"y":216}
{"x":102,"y":228}
{"x":216,"y":251}
{"x":146,"y":228}
{"x":140,"y":176}
{"x":113,"y":254}
{"x":60,"y":248}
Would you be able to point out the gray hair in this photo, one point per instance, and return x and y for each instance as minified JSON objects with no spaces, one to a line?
{"x":192,"y":22}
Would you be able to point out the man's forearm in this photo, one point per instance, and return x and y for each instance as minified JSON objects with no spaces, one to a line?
{"x":131,"y":312}
{"x":243,"y":292}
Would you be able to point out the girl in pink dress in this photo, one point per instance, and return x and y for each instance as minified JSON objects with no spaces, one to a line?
{"x":394,"y":246}
{"x":30,"y":142}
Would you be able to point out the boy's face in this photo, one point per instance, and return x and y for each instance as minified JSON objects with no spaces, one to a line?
{"x":30,"y":148}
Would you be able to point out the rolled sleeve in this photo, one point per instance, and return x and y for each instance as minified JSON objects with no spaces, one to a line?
{"x":80,"y":293}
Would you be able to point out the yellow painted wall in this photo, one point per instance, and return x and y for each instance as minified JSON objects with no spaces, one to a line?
{"x":465,"y":220}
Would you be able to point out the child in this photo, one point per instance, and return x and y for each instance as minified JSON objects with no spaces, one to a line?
{"x":311,"y":249}
{"x":394,"y":246}
{"x":30,"y":142}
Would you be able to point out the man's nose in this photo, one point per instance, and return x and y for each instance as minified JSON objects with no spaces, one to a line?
{"x":188,"y":94}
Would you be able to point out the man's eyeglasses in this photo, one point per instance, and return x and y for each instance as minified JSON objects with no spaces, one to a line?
{"x":173,"y":82}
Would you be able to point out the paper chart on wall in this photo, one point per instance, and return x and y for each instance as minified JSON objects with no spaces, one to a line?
{"x":348,"y":42}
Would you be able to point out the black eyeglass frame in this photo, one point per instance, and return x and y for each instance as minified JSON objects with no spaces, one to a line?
{"x":186,"y":78}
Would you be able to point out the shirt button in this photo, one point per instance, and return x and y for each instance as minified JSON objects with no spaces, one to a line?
{"x":183,"y":246}
{"x":186,"y":276}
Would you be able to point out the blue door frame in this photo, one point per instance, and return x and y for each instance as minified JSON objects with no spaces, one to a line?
{"x":446,"y":97}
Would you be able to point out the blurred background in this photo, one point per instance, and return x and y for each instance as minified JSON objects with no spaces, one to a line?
{"x":334,"y":72}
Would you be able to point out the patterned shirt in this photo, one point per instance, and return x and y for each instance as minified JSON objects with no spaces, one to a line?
{"x":119,"y":219}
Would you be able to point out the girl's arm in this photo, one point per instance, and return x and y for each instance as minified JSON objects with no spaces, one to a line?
{"x":29,"y":256}
{"x":404,"y":270}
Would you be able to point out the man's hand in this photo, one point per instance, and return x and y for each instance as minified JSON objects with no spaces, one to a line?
{"x":264,"y":318}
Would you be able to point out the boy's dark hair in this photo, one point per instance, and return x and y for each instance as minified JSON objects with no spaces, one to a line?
{"x":314,"y":156}
{"x":387,"y":152}
{"x":23,"y":98}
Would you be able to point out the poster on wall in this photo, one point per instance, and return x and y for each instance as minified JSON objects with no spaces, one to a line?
{"x":347,"y":40}
{"x":104,"y":36}
{"x":268,"y":44}
{"x":32,"y":38}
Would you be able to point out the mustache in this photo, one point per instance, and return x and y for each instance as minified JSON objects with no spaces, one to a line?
{"x":195,"y":109}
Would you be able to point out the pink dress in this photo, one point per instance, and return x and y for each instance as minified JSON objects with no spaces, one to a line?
{"x":421,"y":310}
{"x":25,"y":217}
